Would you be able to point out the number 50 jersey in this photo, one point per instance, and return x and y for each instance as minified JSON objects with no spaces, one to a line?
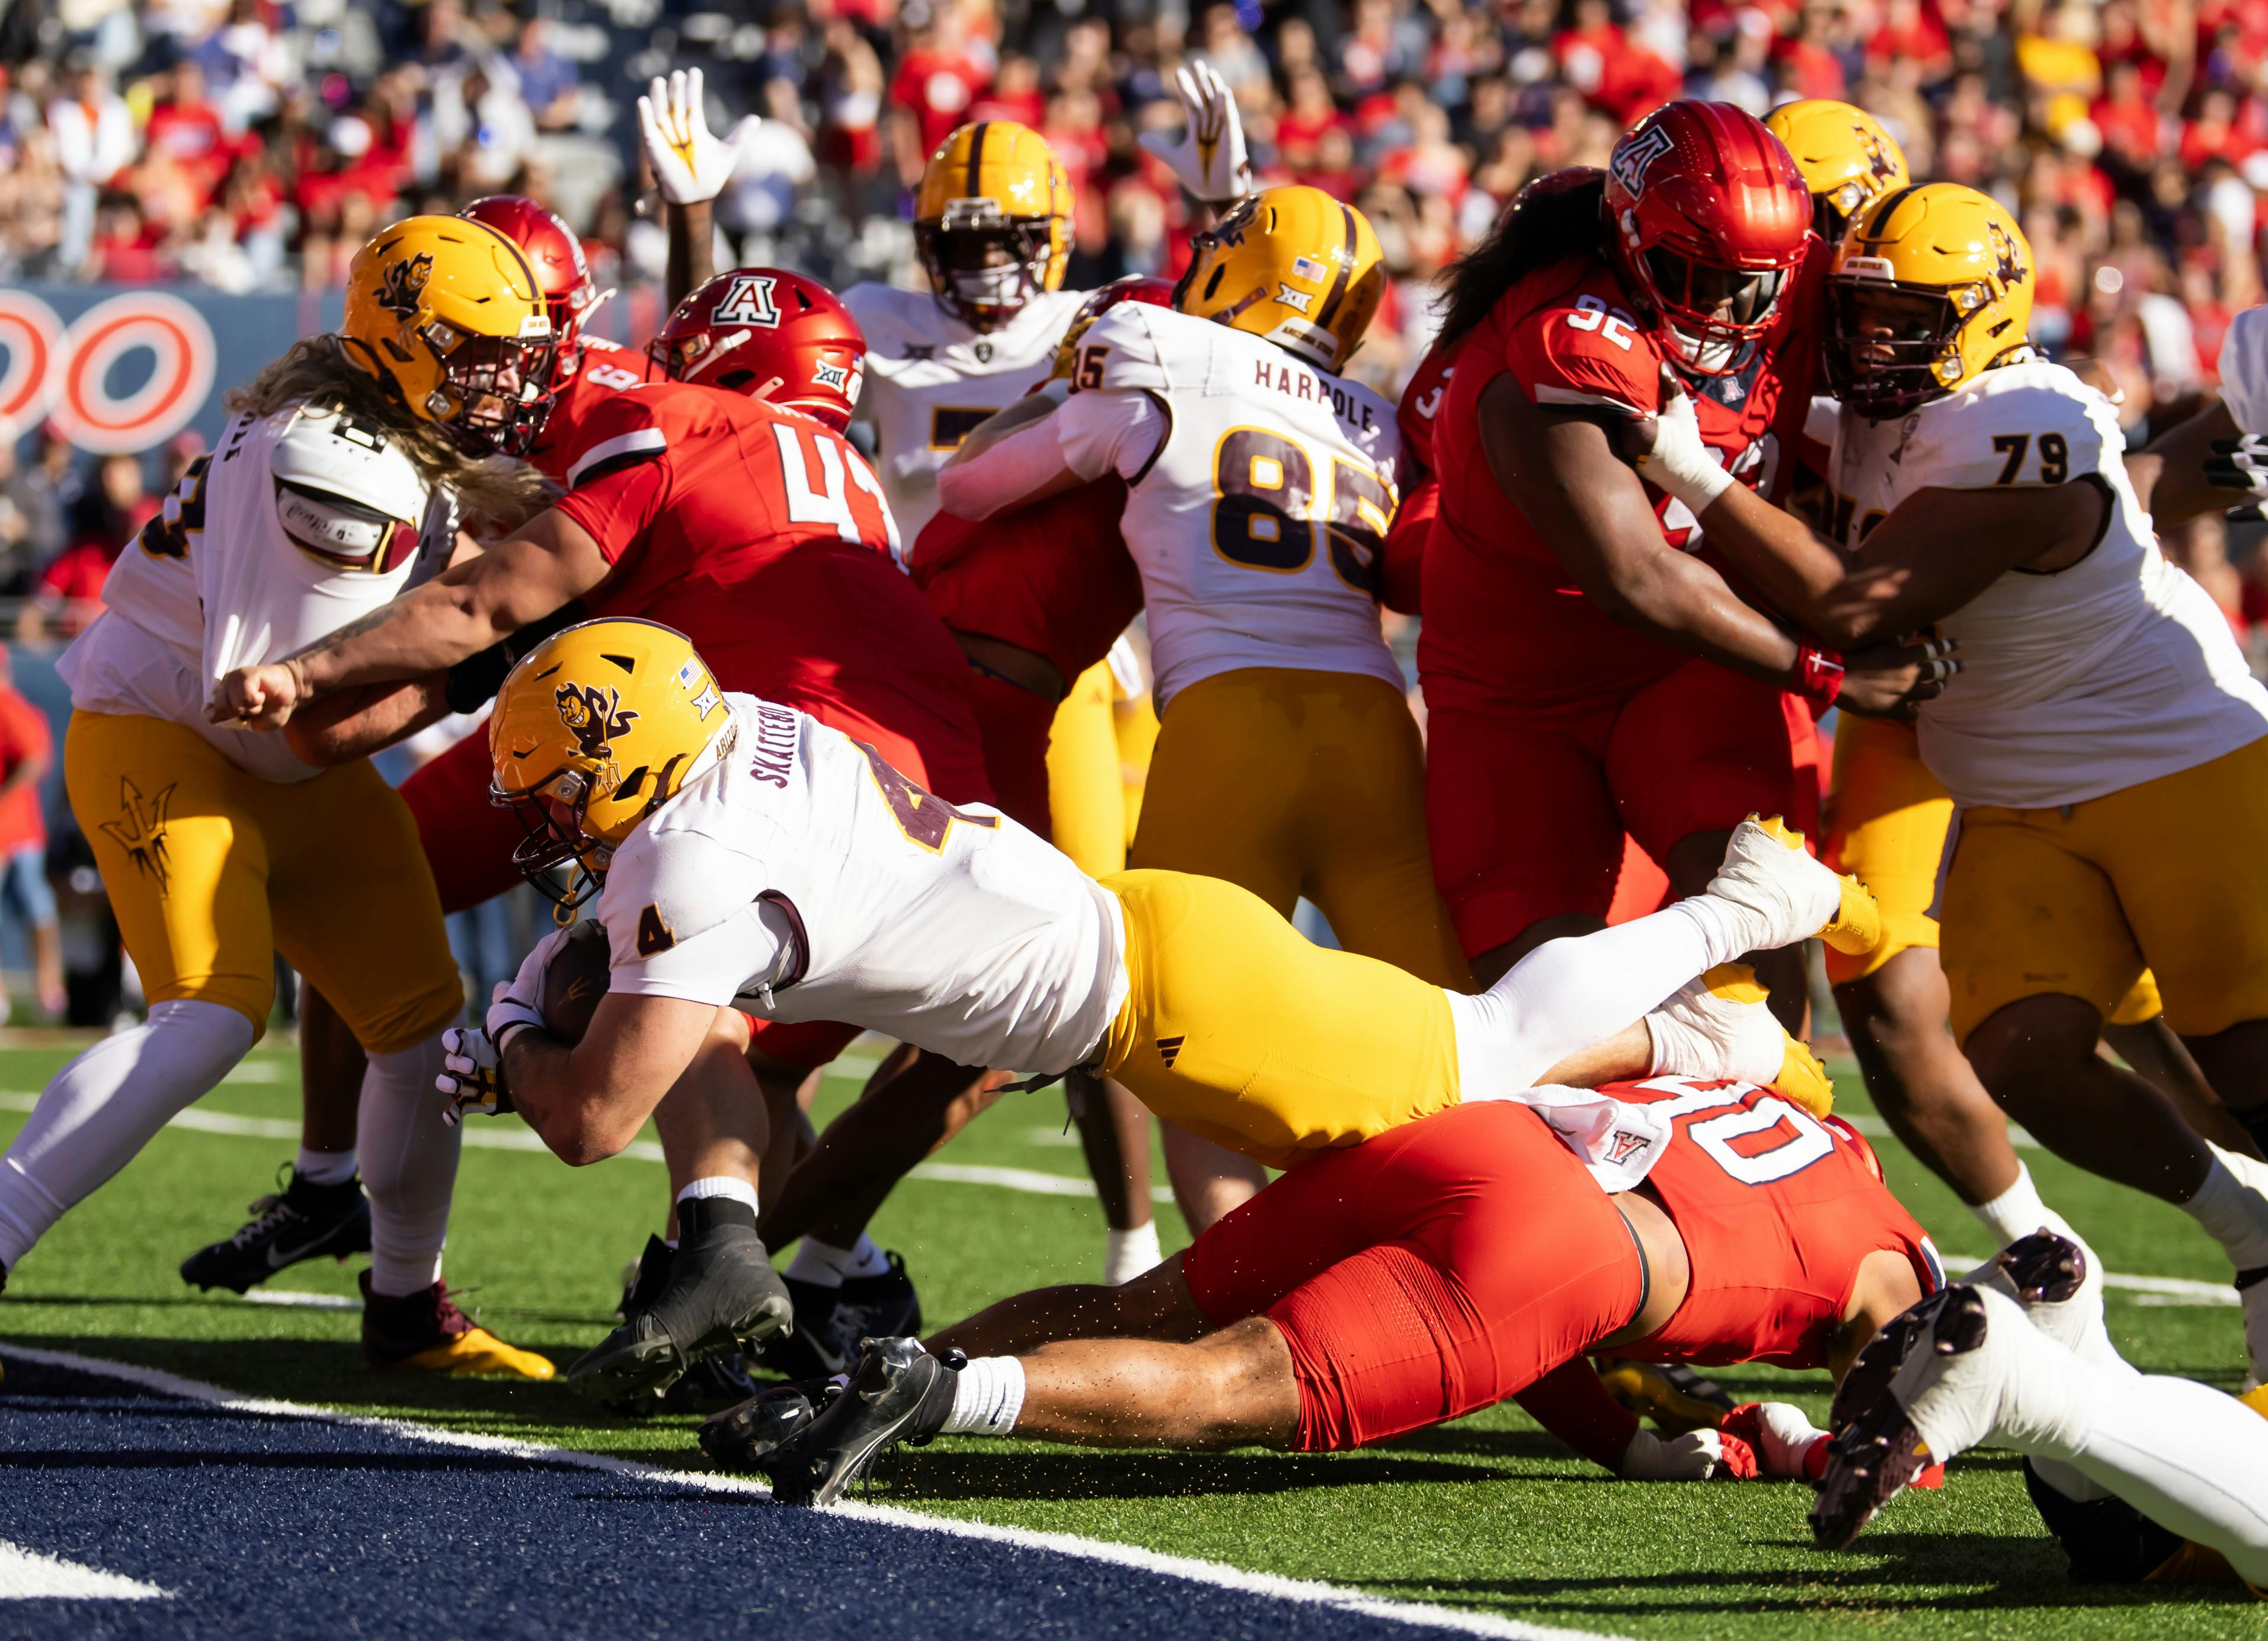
{"x":1259,"y":490}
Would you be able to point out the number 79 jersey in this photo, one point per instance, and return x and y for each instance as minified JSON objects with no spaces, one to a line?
{"x":1259,"y":491}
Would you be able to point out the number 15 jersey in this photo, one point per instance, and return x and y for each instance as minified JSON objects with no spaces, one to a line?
{"x":1259,"y":489}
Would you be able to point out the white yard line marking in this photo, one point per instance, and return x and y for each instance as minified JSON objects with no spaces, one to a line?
{"x":25,"y":1575}
{"x":1302,"y":1591}
{"x":292,"y":1300}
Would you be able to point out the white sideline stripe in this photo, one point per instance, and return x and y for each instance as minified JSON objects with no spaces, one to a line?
{"x":1028,"y":1179}
{"x":292,"y":1299}
{"x":1303,"y":1592}
{"x":25,"y":1575}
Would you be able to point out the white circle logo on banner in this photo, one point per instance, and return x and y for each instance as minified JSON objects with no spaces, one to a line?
{"x":33,"y":339}
{"x":183,"y":355}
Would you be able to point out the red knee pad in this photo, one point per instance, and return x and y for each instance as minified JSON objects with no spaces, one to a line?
{"x":808,"y":1044}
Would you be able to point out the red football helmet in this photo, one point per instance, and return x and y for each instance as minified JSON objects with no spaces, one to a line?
{"x":555,"y":257}
{"x":771,"y":334}
{"x":1710,"y":219}
{"x":1132,"y":288}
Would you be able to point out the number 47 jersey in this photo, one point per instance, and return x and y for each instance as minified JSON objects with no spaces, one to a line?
{"x":1259,"y":489}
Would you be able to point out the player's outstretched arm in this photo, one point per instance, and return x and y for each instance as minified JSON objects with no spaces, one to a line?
{"x":1562,"y":471}
{"x":356,"y":723}
{"x":2183,"y":456}
{"x":1024,"y":464}
{"x":460,"y":612}
{"x":589,"y":1101}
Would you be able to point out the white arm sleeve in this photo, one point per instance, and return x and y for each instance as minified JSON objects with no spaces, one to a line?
{"x":1112,"y":431}
{"x":996,"y":479}
{"x":2244,"y":370}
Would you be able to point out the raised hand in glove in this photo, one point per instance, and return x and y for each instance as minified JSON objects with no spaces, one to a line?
{"x":1208,"y":156}
{"x":690,"y":163}
{"x":472,"y":1075}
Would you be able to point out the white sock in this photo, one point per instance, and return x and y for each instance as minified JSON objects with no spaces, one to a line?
{"x":2018,"y":1211}
{"x":987,"y":1396}
{"x":826,"y":1266}
{"x":1567,"y":994}
{"x":99,"y":1110}
{"x":2232,"y":1205}
{"x":325,"y":1168}
{"x":2193,"y":1460}
{"x":724,"y":1185}
{"x":410,"y":1167}
{"x":1127,"y":1254}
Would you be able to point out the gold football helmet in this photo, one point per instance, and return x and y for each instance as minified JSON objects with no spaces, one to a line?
{"x":1931,"y":288}
{"x":594,"y":729}
{"x":1291,"y":264}
{"x":1848,"y":161}
{"x":992,"y":221}
{"x":445,"y":313}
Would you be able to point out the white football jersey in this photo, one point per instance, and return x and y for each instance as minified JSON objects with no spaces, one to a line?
{"x":931,"y":379}
{"x":1258,"y":488}
{"x":2244,"y":370}
{"x":803,"y":879}
{"x":2073,"y":682}
{"x":295,"y":525}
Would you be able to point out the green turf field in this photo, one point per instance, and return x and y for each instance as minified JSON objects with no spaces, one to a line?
{"x":1489,"y":1514}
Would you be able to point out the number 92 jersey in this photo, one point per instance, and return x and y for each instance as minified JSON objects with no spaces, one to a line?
{"x":1258,"y":491}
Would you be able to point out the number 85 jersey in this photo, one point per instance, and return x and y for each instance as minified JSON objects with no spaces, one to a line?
{"x":1259,"y":489}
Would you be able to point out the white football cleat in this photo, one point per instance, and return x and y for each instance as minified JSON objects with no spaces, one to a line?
{"x":2058,"y":1281}
{"x":1789,"y":897}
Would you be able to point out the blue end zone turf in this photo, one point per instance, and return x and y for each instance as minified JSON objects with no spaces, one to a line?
{"x":257,"y":1523}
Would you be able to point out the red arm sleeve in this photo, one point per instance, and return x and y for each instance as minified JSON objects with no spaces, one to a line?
{"x":620,"y":467}
{"x":1402,"y":568}
{"x":1572,"y":1404}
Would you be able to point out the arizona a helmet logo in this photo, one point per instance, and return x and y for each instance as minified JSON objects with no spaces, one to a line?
{"x":1634,"y":153}
{"x":747,"y":300}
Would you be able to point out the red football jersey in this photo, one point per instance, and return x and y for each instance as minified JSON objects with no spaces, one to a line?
{"x":606,"y":370}
{"x":763,"y":537}
{"x":1777,"y":1211}
{"x":1507,"y":619}
{"x":1401,"y":561}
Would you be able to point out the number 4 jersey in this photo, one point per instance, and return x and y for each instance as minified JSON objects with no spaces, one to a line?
{"x":2078,"y":682}
{"x":1258,"y":491}
{"x":806,"y":879}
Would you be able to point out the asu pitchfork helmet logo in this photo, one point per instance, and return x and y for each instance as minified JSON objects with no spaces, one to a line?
{"x":594,"y":715}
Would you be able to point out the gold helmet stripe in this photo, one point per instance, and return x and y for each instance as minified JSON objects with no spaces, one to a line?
{"x":976,"y":157}
{"x":1339,"y":279}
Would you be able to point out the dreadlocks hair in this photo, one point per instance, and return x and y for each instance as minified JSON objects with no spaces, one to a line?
{"x":1555,"y":217}
{"x":495,"y":494}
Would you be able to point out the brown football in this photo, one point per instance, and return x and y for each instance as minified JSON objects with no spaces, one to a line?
{"x":574,"y":981}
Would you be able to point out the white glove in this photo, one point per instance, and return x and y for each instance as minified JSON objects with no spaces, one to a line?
{"x":690,"y":163}
{"x":1718,"y":1025}
{"x":472,"y":1075}
{"x":1679,"y":462}
{"x":1782,"y":1438}
{"x":1208,"y":156}
{"x":518,"y":1001}
{"x":1696,"y":1456}
{"x":2239,"y":464}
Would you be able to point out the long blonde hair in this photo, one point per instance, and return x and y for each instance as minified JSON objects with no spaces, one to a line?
{"x":495,"y":494}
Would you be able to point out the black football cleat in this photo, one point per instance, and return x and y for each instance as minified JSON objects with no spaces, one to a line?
{"x":829,"y":1323}
{"x":741,"y":1436}
{"x":1876,"y":1451}
{"x":717,"y":1292}
{"x":898,"y":1392}
{"x":302,"y":1221}
{"x":718,"y":1382}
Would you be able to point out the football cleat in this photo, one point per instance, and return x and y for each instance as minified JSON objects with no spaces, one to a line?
{"x":426,"y":1333}
{"x":744,"y":1435}
{"x":829,"y":1323}
{"x":1670,"y":1393}
{"x":1931,"y":1367}
{"x":304,"y":1220}
{"x":717,"y":1292}
{"x":897,"y":1392}
{"x":2059,"y":1283}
